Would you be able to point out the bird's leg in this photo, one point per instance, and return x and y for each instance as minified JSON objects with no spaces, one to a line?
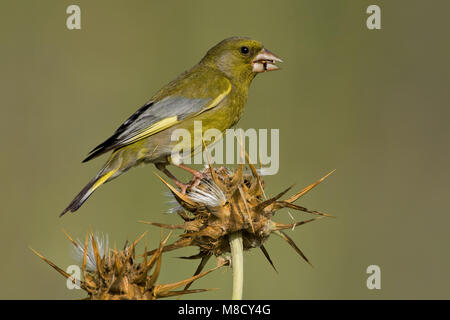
{"x":181,"y":185}
{"x":198,"y":176}
{"x":194,"y":172}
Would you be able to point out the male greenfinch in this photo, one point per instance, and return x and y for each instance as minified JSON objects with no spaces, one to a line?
{"x":214,"y":92}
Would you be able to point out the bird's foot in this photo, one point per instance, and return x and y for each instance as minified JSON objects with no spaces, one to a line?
{"x":198,"y":177}
{"x":182,"y":186}
{"x":190,"y":185}
{"x":197,"y":174}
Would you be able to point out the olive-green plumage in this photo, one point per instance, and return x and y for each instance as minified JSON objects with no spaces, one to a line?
{"x":214,"y":92}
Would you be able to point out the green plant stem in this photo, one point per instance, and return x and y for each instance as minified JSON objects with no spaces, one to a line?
{"x":237,"y":263}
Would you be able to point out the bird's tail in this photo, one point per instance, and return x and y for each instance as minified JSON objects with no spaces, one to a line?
{"x":102,"y":177}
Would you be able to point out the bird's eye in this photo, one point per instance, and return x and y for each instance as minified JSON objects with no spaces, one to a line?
{"x":244,"y":50}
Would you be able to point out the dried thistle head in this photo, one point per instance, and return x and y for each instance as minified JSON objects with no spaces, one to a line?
{"x":110,"y":274}
{"x":224,"y":202}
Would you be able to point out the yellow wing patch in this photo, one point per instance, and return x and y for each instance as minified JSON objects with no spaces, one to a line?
{"x":154,"y":128}
{"x":170,"y":121}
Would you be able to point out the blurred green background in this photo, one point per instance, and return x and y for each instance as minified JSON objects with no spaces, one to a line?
{"x":372,"y":104}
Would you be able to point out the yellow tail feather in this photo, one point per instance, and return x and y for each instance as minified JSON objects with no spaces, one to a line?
{"x":102,"y":180}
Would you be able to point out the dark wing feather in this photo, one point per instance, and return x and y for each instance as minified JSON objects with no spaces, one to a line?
{"x":105,"y":146}
{"x":147,"y":115}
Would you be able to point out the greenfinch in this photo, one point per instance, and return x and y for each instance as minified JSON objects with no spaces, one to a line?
{"x":214,"y":92}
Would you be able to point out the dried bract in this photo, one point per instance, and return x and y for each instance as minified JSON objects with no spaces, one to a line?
{"x":118,"y":275}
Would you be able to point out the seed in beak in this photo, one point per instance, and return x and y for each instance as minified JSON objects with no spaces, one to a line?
{"x":265,"y":61}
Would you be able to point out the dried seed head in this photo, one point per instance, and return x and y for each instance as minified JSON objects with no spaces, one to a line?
{"x":209,"y":194}
{"x":226,"y":201}
{"x":91,"y":263}
{"x":118,"y":275}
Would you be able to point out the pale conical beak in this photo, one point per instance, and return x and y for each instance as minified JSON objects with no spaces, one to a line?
{"x":265,"y":61}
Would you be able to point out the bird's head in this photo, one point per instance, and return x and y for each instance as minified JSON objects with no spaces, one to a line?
{"x":241,"y":58}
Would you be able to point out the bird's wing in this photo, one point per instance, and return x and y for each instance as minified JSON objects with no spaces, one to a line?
{"x":154,"y":117}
